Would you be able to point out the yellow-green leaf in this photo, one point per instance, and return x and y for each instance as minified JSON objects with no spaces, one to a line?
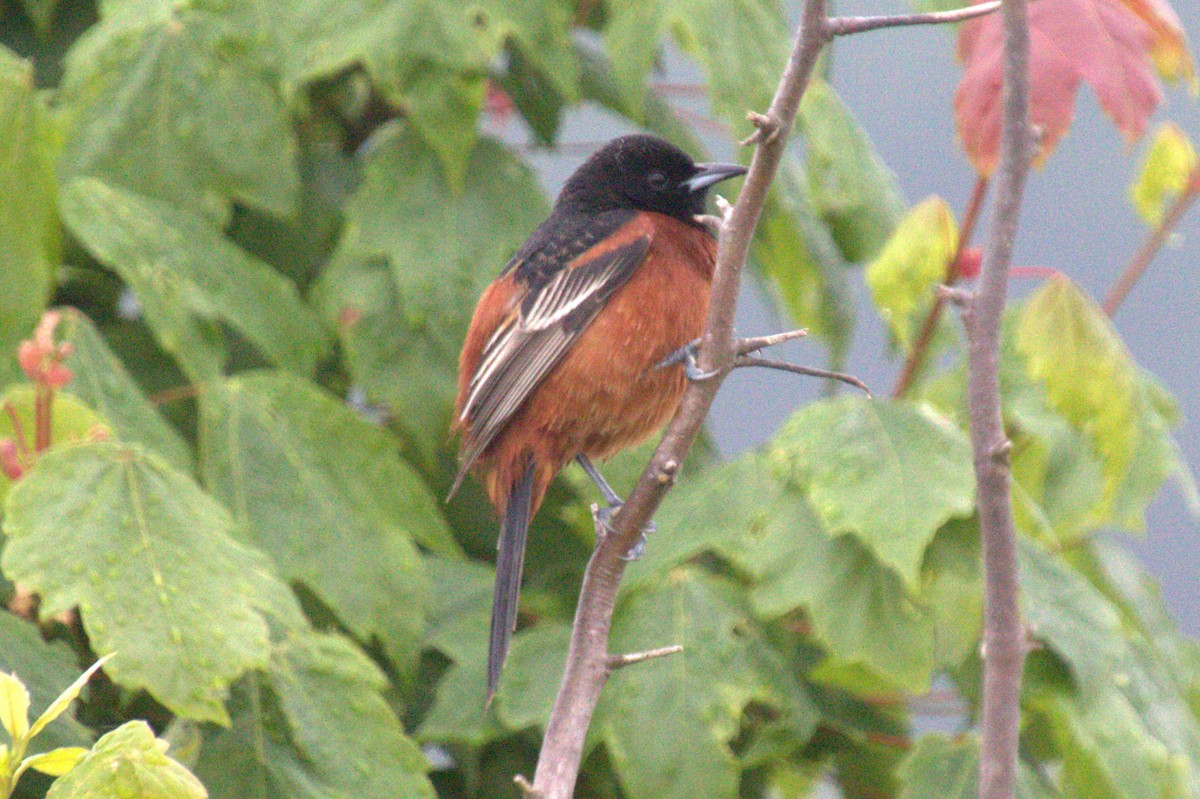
{"x":1089,"y":377}
{"x":1169,"y":165}
{"x":59,"y":706}
{"x":70,"y":421}
{"x":56,"y":762}
{"x":14,"y":706}
{"x":913,"y":261}
{"x":130,"y":763}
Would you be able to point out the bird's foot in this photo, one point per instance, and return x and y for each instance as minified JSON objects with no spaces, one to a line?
{"x":687,"y":356}
{"x":604,"y":516}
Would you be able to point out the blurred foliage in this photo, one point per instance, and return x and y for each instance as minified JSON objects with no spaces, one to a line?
{"x":266,"y":226}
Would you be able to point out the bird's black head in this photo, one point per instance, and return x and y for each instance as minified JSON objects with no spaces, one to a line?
{"x":643,"y":173}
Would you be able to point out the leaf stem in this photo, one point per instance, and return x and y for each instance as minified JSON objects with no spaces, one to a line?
{"x":1150,"y":247}
{"x":916,"y":356}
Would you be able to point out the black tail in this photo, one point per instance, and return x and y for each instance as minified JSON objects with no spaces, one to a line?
{"x":509,"y":561}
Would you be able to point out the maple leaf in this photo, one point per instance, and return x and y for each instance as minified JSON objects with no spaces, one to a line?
{"x":1098,"y":41}
{"x":1169,"y":48}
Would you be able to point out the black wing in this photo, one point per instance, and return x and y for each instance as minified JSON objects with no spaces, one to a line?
{"x":530,"y":343}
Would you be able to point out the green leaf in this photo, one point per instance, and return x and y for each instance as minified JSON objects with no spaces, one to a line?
{"x":314,"y":725}
{"x":852,"y":189}
{"x":952,"y":591}
{"x":667,"y":723}
{"x":70,"y":422}
{"x":29,"y":234}
{"x":912,"y":263}
{"x":414,"y":259}
{"x":1168,"y":166}
{"x":45,"y":668}
{"x":57,"y":762}
{"x":1063,"y":610}
{"x":795,"y":251}
{"x":460,"y":608}
{"x":41,"y":12}
{"x":187,"y":277}
{"x":939,"y":767}
{"x":103,"y":383}
{"x":14,"y":706}
{"x":131,"y":763}
{"x":532,"y":676}
{"x":327,"y":497}
{"x":1107,"y":751}
{"x":151,"y":563}
{"x":1089,"y":378}
{"x":742,"y":47}
{"x":859,"y":609}
{"x":167,"y":105}
{"x":891,"y":473}
{"x":725,"y":509}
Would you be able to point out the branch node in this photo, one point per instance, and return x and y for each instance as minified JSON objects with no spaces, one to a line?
{"x":766,"y":129}
{"x":667,"y":471}
{"x":615,"y":662}
{"x":724,"y":206}
{"x":959,"y":298}
{"x":999,"y":452}
{"x":526,"y":788}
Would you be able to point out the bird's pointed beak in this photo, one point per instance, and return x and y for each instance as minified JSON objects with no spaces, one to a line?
{"x":709,"y":174}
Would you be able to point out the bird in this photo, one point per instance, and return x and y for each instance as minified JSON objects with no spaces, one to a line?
{"x":573,"y":352}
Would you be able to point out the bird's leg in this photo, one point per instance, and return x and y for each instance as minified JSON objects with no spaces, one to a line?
{"x":687,"y":356}
{"x":604,"y":515}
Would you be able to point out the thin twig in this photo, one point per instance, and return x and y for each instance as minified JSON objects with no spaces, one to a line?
{"x":621,"y":661}
{"x":1003,"y":635}
{"x":745,"y":346}
{"x":586,"y":668}
{"x":844,"y":26}
{"x":1158,"y":237}
{"x":916,"y":356}
{"x":809,"y":371}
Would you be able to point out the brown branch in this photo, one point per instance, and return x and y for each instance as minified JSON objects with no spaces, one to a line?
{"x":916,"y":356}
{"x":844,"y":26}
{"x":1158,"y":237}
{"x":587,"y":657}
{"x":1003,"y":634}
{"x":808,"y":371}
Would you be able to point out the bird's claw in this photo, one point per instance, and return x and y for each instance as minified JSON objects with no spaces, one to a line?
{"x":604,"y":516}
{"x":687,"y":356}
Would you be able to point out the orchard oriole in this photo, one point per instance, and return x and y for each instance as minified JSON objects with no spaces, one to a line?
{"x":562,"y":357}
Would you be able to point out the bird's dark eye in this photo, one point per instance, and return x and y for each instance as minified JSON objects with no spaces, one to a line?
{"x":657,"y":180}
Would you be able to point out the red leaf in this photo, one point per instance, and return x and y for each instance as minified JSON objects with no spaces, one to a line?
{"x":1100,"y":41}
